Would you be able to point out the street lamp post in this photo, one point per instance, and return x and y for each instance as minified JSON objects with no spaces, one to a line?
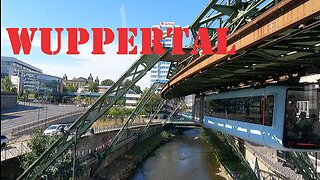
{"x":38,"y":116}
{"x":46,"y":115}
{"x":62,"y":132}
{"x":74,"y":156}
{"x":46,"y":107}
{"x":24,"y":97}
{"x":316,"y":165}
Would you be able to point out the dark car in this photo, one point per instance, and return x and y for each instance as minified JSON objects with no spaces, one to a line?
{"x":4,"y":141}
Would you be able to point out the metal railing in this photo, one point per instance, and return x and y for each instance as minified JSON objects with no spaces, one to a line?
{"x":42,"y":124}
{"x":20,"y":148}
{"x":276,"y":167}
{"x":11,"y":152}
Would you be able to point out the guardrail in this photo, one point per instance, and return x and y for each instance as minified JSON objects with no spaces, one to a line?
{"x":11,"y":152}
{"x":42,"y":124}
{"x":276,"y":167}
{"x":21,"y":148}
{"x":89,"y":151}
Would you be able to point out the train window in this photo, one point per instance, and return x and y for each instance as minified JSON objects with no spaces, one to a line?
{"x":302,"y":124}
{"x":269,"y":111}
{"x":245,"y":109}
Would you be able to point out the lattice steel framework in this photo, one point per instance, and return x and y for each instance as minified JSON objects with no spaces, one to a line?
{"x":84,"y":122}
{"x":232,"y":14}
{"x":101,"y":156}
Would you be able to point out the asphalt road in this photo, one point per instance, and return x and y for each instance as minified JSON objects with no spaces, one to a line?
{"x":21,"y":115}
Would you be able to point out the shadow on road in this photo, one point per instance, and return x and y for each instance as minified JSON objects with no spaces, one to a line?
{"x":6,"y":117}
{"x":18,"y":108}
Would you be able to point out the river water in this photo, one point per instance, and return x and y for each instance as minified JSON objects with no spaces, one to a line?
{"x":185,"y":157}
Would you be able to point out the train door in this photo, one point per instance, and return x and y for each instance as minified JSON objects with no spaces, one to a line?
{"x":198,"y":110}
{"x":302,"y":126}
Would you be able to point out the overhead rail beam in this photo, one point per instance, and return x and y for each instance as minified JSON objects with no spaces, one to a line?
{"x":282,"y":19}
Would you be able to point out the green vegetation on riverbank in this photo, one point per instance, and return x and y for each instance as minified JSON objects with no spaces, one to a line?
{"x":230,"y":161}
{"x":124,"y":166}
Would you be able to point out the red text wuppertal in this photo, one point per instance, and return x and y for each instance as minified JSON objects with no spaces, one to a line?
{"x":21,"y":39}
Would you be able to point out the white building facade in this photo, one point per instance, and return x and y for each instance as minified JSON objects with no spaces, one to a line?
{"x":160,"y":70}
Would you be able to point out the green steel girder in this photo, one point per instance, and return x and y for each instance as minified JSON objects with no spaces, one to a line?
{"x":232,"y":15}
{"x":101,"y":156}
{"x":210,"y":18}
{"x":172,"y":69}
{"x":84,"y":122}
{"x":172,"y":113}
{"x":303,"y":163}
{"x":143,"y":101}
{"x":144,"y":129}
{"x":177,"y":66}
{"x":195,"y":24}
{"x":225,"y":9}
{"x":232,"y":143}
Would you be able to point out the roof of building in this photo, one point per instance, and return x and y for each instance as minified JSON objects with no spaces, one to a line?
{"x":12,"y":59}
{"x":23,"y":71}
{"x":79,"y":79}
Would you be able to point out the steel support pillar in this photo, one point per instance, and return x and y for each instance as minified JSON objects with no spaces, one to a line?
{"x":102,"y":155}
{"x":84,"y":122}
{"x":161,"y":104}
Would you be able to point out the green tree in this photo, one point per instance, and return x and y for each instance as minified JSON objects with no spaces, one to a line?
{"x":120,"y":102}
{"x":93,"y":87}
{"x":128,"y":111}
{"x":119,"y":113}
{"x":36,"y":95}
{"x":20,"y":95}
{"x":60,"y":169}
{"x":134,"y":87}
{"x":69,"y":88}
{"x":151,"y":105}
{"x":27,"y":94}
{"x":106,"y":82}
{"x":7,"y":86}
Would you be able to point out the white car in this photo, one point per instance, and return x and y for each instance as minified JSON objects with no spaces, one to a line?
{"x":54,"y":129}
{"x":4,"y":141}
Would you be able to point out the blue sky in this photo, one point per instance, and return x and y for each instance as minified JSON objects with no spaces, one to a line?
{"x":89,"y":14}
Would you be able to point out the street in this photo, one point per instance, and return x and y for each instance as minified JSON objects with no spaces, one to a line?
{"x":21,"y":115}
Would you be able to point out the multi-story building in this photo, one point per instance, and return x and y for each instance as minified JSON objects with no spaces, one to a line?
{"x":130,"y":98}
{"x":35,"y":82}
{"x":78,"y":82}
{"x":160,"y":70}
{"x":29,"y":78}
{"x":11,"y":66}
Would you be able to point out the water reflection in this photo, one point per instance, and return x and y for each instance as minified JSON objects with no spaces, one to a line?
{"x":185,"y":157}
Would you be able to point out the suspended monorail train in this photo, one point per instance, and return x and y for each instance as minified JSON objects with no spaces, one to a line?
{"x":280,"y":117}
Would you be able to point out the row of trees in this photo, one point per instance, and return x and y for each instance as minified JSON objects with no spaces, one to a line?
{"x":93,"y":87}
{"x":7,"y":86}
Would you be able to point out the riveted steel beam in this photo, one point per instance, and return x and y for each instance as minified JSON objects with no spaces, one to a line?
{"x":84,"y":122}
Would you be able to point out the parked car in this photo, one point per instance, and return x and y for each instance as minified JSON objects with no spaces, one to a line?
{"x":54,"y":129}
{"x":4,"y":141}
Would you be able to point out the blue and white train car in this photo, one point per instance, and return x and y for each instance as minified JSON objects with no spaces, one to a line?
{"x":280,"y":117}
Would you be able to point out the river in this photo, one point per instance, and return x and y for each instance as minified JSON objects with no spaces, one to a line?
{"x":184,"y":157}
